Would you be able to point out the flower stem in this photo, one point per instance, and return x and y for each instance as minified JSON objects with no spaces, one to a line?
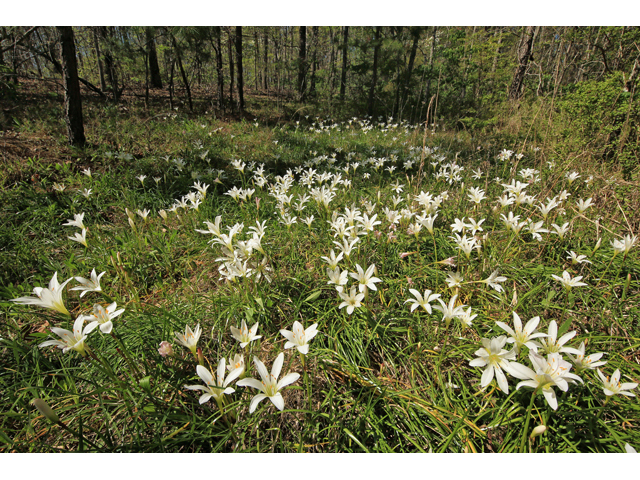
{"x":525,"y":431}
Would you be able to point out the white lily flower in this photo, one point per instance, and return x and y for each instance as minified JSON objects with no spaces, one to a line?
{"x":245,"y":335}
{"x":365,"y":279}
{"x":576,"y":259}
{"x":624,"y":245}
{"x":76,"y":222}
{"x":80,"y":237}
{"x":47,"y":297}
{"x":494,"y":358}
{"x":589,"y":362}
{"x":450,"y":311}
{"x":522,"y":336}
{"x":422,"y":300}
{"x":351,"y":301}
{"x":493,"y":280}
{"x":549,"y":373}
{"x":237,"y":362}
{"x":269,"y":386}
{"x":613,"y":386}
{"x":299,"y":337}
{"x":89,"y":285}
{"x":190,"y":338}
{"x":569,"y":282}
{"x":551,"y":344}
{"x":216,"y":386}
{"x":71,"y":340}
{"x":103,"y":316}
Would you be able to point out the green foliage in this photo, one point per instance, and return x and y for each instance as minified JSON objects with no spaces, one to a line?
{"x":599,"y":116}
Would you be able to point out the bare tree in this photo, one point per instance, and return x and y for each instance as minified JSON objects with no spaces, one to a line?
{"x":240,"y":70}
{"x":374,"y":77}
{"x":183,"y":74}
{"x":154,"y":68}
{"x":302,"y":63}
{"x":230,"y":48}
{"x":72,"y":99}
{"x":524,"y":55}
{"x":343,"y":80}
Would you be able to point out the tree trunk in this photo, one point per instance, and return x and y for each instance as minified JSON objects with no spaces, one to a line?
{"x":171,"y":71}
{"x":183,"y":74}
{"x":432,"y":53}
{"x":314,"y":61}
{"x":154,"y":68}
{"x":230,"y":49}
{"x":630,"y":83}
{"x":219,"y":70}
{"x":72,"y":99}
{"x":374,"y":78}
{"x":257,"y":80}
{"x":524,"y":55}
{"x":265,"y":78}
{"x":343,"y":80}
{"x":103,"y":85}
{"x":302,"y":64}
{"x":415,"y":33}
{"x":109,"y":64}
{"x":240,"y":70}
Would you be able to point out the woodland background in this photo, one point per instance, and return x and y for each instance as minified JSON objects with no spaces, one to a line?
{"x":569,"y":87}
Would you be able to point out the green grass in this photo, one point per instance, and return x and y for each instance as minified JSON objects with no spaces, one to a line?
{"x":383,"y":379}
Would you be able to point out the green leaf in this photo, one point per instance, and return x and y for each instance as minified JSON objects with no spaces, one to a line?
{"x":145,"y":384}
{"x":313,"y":297}
{"x":564,"y":328}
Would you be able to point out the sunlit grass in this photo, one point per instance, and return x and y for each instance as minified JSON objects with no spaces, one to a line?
{"x":377,"y":377}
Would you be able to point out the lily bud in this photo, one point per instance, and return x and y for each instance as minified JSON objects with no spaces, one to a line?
{"x":595,"y":249}
{"x":539,"y":430}
{"x":45,"y":410}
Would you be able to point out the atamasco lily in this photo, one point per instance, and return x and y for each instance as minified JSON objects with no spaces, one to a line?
{"x":365,"y":279}
{"x":422,"y":300}
{"x":569,"y":282}
{"x":89,"y":285}
{"x":71,"y":340}
{"x":550,"y":372}
{"x":351,"y":300}
{"x":494,"y":358}
{"x":552,"y":344}
{"x":103,"y":316}
{"x":269,"y":386}
{"x":449,"y":311}
{"x":245,"y":335}
{"x":47,"y":297}
{"x":76,"y":222}
{"x":493,"y":281}
{"x":80,"y":237}
{"x":522,"y":336}
{"x":190,"y":338}
{"x":216,"y":386}
{"x":589,"y":362}
{"x":299,"y":337}
{"x":612,"y":386}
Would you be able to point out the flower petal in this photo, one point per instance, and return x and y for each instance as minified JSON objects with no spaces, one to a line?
{"x":287,"y":380}
{"x":255,"y":401}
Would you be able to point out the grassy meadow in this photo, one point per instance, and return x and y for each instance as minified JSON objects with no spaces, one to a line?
{"x":311,"y":284}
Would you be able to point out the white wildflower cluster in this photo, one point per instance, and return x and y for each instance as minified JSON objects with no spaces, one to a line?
{"x":549,"y":370}
{"x":51,"y":298}
{"x":239,"y":256}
